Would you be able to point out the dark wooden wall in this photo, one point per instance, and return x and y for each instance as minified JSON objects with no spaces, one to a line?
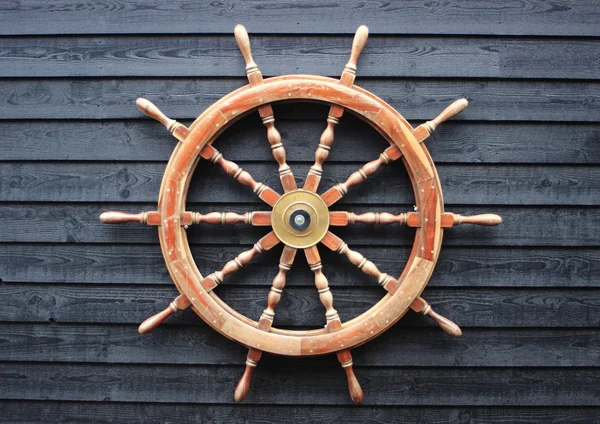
{"x":73,"y":144}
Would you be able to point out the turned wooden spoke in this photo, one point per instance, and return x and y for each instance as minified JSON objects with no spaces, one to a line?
{"x":333,"y":321}
{"x":266,"y":243}
{"x":336,"y":244}
{"x":338,"y":191}
{"x":426,"y":129}
{"x":335,"y":112}
{"x":256,"y":218}
{"x":411,"y":219}
{"x":266,"y":320}
{"x":265,"y":111}
{"x":208,"y":152}
{"x":180,"y":303}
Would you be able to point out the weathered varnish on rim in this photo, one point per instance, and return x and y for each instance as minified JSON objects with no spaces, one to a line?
{"x":428,"y":199}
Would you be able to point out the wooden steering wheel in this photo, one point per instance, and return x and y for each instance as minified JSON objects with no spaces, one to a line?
{"x":300,"y":218}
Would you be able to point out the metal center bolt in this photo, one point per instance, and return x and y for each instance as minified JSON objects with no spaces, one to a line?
{"x":300,"y":220}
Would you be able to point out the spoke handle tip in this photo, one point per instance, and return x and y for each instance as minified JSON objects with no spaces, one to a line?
{"x":243,"y":42}
{"x":450,"y":112}
{"x":243,"y":387}
{"x":486,"y":219}
{"x":180,"y":303}
{"x":444,"y":323}
{"x":358,"y":44}
{"x":116,"y":217}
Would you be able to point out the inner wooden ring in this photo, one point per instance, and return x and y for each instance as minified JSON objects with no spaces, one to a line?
{"x":231,"y":324}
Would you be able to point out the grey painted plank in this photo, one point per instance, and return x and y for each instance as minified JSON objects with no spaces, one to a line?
{"x":300,"y":306}
{"x":186,"y":98}
{"x":482,"y":266}
{"x":458,"y":142}
{"x":194,"y":56}
{"x":15,"y":411}
{"x":79,"y":223}
{"x":300,"y":386}
{"x":180,"y":345}
{"x":531,"y":17}
{"x":473,"y":184}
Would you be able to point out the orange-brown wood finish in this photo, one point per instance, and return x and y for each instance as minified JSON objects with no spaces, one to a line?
{"x":401,"y":293}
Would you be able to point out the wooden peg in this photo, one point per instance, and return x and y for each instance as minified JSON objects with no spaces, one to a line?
{"x":116,"y":217}
{"x":421,"y":305}
{"x":180,"y":303}
{"x":151,"y":110}
{"x":486,"y":219}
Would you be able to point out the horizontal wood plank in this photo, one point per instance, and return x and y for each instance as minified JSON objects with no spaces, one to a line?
{"x":384,"y":56}
{"x":186,"y":98}
{"x":21,"y":412}
{"x":300,"y":307}
{"x":172,"y":344}
{"x":482,"y":266}
{"x":309,"y":385}
{"x":140,"y":182}
{"x":531,"y":17}
{"x":453,"y":142}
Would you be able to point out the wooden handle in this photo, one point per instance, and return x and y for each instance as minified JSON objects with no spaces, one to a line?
{"x":180,"y":303}
{"x":116,"y":217}
{"x":356,"y":393}
{"x":445,"y":324}
{"x":450,"y":112}
{"x":358,"y":44}
{"x":487,"y":219}
{"x":243,"y":387}
{"x":243,"y":42}
{"x":151,"y":110}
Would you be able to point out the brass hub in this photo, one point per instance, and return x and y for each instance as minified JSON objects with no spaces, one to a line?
{"x":300,"y":218}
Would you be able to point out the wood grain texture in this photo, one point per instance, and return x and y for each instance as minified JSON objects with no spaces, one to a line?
{"x":186,"y":98}
{"x":427,"y":386}
{"x":453,"y":142}
{"x":386,"y":56}
{"x":176,"y":344}
{"x":531,"y":17}
{"x":482,"y":266}
{"x":300,"y":307}
{"x":15,"y":411}
{"x":138,"y":182}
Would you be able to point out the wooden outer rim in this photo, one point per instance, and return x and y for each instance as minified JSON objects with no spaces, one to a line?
{"x":235,"y":326}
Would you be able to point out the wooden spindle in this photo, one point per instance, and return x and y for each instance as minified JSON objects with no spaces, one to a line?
{"x":338,"y":191}
{"x":335,"y":112}
{"x":265,"y":243}
{"x":342,"y":218}
{"x":425,"y":130}
{"x":180,"y":303}
{"x":333,"y":320}
{"x":266,"y":320}
{"x":264,"y":192}
{"x":336,"y":244}
{"x":421,"y":305}
{"x":257,"y":218}
{"x":265,"y":111}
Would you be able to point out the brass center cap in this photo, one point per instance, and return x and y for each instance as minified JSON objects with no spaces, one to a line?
{"x":300,"y":218}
